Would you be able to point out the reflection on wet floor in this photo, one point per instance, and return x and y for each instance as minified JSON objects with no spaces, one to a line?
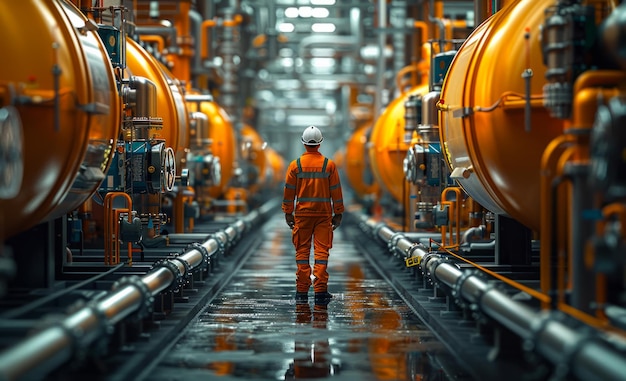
{"x":254,"y":329}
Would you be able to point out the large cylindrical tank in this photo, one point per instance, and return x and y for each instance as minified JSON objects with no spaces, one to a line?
{"x":388,"y":148}
{"x":69,"y":107}
{"x":275,"y":169}
{"x":253,"y":155}
{"x":493,"y":146}
{"x":182,"y":116}
{"x":223,"y":139}
{"x":358,"y":169}
{"x":171,"y":105}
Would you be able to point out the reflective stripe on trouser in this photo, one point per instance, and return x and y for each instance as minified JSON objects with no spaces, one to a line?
{"x":318,"y":230}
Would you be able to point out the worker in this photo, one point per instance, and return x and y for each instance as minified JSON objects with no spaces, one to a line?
{"x":312,"y":184}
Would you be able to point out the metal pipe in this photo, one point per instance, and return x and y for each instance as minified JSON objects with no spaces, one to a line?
{"x":28,"y":308}
{"x":583,"y":353}
{"x":481,"y":12}
{"x":164,"y":31}
{"x":380,"y":73}
{"x":39,"y":354}
{"x":145,"y":97}
{"x":198,"y":98}
{"x":195,"y":18}
{"x":439,"y":22}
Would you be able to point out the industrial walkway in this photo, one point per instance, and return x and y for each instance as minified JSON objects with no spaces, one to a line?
{"x":253,"y":329}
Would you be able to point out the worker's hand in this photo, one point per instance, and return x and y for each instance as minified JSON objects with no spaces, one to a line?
{"x":337,"y":220}
{"x":291,"y":221}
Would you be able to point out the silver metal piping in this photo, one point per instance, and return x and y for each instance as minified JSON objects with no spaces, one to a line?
{"x":39,"y":354}
{"x":582,"y":352}
{"x":195,"y":19}
{"x":380,"y":73}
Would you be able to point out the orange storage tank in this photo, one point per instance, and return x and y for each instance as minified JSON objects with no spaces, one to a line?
{"x":388,"y":148}
{"x":493,"y":148}
{"x":66,"y":152}
{"x":224,"y":143}
{"x":276,"y":169}
{"x":357,"y":163}
{"x":253,"y":152}
{"x":171,"y":106}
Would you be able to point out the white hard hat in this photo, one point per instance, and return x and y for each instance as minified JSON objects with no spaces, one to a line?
{"x":312,"y":136}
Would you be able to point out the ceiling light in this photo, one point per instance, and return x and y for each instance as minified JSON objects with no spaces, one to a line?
{"x":323,"y":27}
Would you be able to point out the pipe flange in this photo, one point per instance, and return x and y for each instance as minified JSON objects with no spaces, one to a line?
{"x":106,"y":328}
{"x":221,"y":246}
{"x":366,"y":228}
{"x":393,"y":241}
{"x":178,"y":276}
{"x":426,"y":259}
{"x":188,"y":268}
{"x":206,"y":257}
{"x":536,"y":327}
{"x":563,"y":367}
{"x":376,"y":228}
{"x":222,"y":241}
{"x":456,"y":289}
{"x":93,"y":343}
{"x":440,"y":260}
{"x":414,"y":247}
{"x":147,"y":303}
{"x":475,"y":305}
{"x":392,"y":244}
{"x":423,"y":263}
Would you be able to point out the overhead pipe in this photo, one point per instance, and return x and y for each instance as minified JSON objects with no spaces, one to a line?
{"x":195,"y":19}
{"x":587,"y":356}
{"x":38,"y":355}
{"x":380,"y":73}
{"x":332,"y":41}
{"x":436,"y":19}
{"x":481,"y":12}
{"x":163,"y":31}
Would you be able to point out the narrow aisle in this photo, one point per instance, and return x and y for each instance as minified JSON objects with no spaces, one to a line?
{"x":254,"y":330}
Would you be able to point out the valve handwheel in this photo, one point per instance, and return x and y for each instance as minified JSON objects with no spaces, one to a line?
{"x":169,"y":169}
{"x":11,"y":155}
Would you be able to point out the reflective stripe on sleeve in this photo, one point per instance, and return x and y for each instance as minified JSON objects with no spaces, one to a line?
{"x":313,"y":199}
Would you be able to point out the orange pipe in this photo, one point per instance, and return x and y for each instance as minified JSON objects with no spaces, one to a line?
{"x":154,"y":39}
{"x":619,"y":210}
{"x":179,"y":212}
{"x":562,"y":236}
{"x":206,"y":24}
{"x":234,"y":22}
{"x":420,"y":67}
{"x":111,"y":228}
{"x":549,"y":161}
{"x":423,"y":27}
{"x":590,"y":320}
{"x":589,"y":87}
{"x":585,"y":105}
{"x":182,"y":58}
{"x":457,"y":215}
{"x":530,"y":291}
{"x":614,"y":209}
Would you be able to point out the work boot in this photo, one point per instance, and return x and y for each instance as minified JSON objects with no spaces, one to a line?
{"x":302,"y":297}
{"x":323,"y":298}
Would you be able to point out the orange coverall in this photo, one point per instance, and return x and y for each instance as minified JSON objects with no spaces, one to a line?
{"x":312,"y":181}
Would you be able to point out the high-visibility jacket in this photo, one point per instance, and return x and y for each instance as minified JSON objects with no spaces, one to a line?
{"x":312,"y":181}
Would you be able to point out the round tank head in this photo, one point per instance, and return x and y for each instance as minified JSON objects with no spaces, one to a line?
{"x":388,"y":146}
{"x":58,"y":60}
{"x":490,"y":152}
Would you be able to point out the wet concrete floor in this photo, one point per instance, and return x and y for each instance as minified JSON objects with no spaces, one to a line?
{"x":254,"y":330}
